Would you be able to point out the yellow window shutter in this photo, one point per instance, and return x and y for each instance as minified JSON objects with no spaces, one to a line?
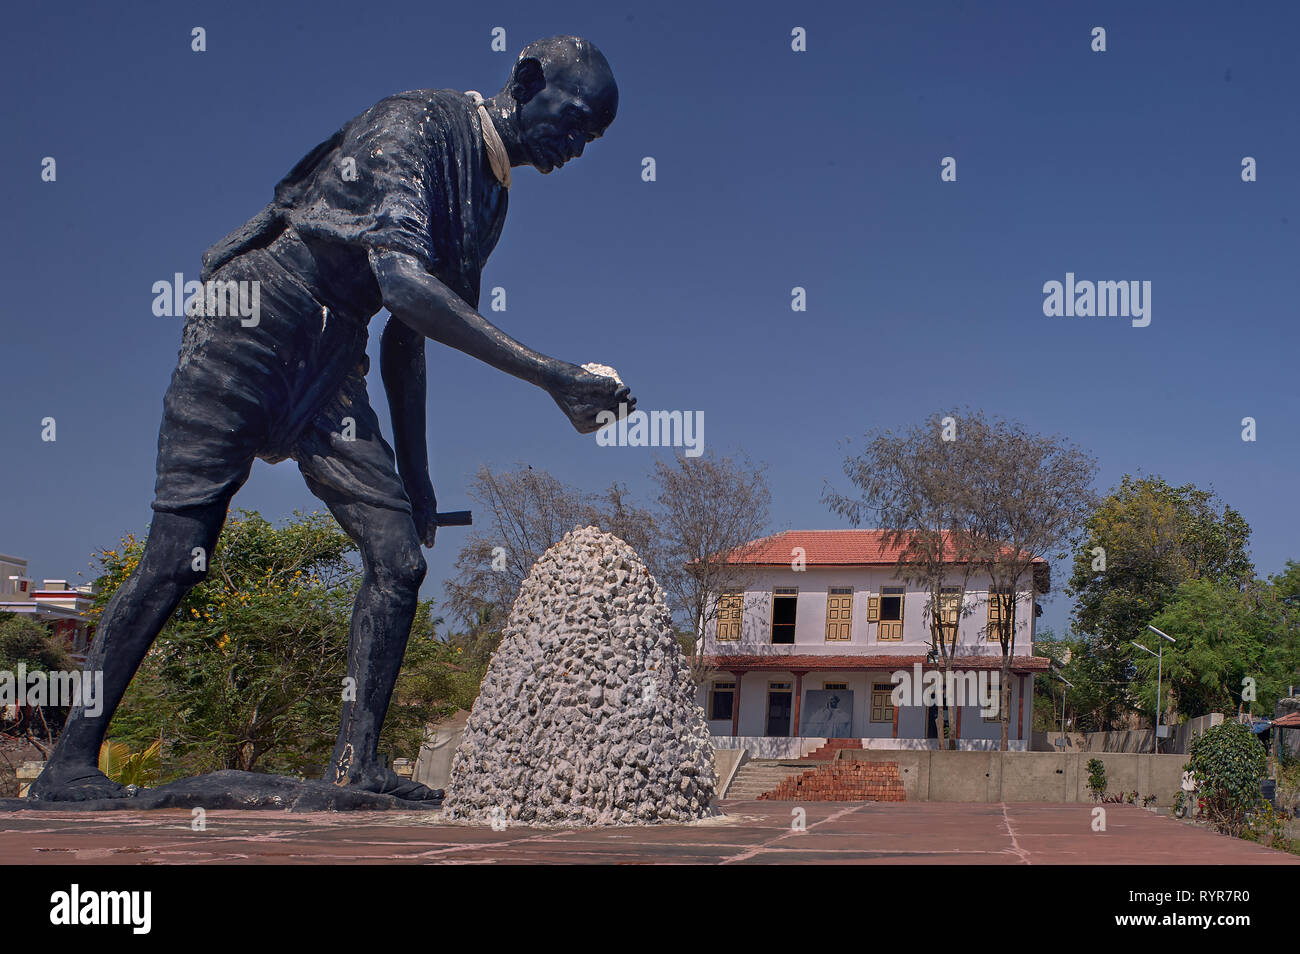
{"x":873,"y":609}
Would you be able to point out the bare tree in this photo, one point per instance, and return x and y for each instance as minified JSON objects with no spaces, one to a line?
{"x":520,"y":514}
{"x":1029,"y":497}
{"x":963,"y":495}
{"x":615,"y":512}
{"x":910,"y":485}
{"x":709,"y":511}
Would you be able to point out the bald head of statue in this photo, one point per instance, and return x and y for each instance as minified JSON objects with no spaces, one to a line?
{"x":561,"y":96}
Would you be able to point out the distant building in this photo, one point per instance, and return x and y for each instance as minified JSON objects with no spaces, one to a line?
{"x":806,"y":654}
{"x":61,"y":606}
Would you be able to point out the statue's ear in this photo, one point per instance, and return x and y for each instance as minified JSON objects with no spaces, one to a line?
{"x":528,"y":80}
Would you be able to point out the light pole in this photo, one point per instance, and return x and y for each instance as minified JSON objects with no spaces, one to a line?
{"x":1071,"y":685}
{"x":1160,"y":669}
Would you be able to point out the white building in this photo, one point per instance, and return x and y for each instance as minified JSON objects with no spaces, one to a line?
{"x":808,"y":651}
{"x":61,"y":606}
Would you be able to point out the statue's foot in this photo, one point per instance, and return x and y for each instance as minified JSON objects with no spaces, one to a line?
{"x":74,"y":783}
{"x":384,"y":781}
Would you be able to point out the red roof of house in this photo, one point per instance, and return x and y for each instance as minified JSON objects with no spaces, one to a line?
{"x":1289,"y":721}
{"x":842,"y":548}
{"x":791,"y":662}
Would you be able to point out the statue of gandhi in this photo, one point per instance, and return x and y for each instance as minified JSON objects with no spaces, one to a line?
{"x":399,"y":210}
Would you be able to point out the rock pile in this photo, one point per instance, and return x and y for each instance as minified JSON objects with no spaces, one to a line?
{"x":587,"y":715}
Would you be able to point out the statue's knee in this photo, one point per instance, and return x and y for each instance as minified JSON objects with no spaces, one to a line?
{"x":416,"y":568}
{"x":176,"y":565}
{"x":404,"y":570}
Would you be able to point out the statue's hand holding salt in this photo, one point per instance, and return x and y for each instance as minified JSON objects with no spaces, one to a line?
{"x":593,"y":399}
{"x":602,"y":369}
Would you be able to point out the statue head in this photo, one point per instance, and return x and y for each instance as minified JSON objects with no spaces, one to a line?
{"x":564,"y":97}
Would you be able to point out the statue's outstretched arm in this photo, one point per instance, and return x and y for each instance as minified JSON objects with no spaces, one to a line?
{"x":424,"y":304}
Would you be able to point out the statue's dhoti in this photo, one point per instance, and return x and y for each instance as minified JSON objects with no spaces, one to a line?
{"x":290,"y":386}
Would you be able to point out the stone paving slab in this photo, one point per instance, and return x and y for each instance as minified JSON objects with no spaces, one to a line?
{"x":752,"y":832}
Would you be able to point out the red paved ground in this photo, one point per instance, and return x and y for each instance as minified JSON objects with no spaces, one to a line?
{"x":753,"y":833}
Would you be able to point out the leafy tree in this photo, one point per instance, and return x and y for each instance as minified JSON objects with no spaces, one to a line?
{"x":1142,"y":541}
{"x":26,"y":642}
{"x":1235,"y":649}
{"x":1089,"y":700}
{"x":1286,"y":585}
{"x":120,"y":764}
{"x":248,"y":672}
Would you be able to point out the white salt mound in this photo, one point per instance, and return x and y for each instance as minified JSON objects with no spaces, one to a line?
{"x":587,"y":715}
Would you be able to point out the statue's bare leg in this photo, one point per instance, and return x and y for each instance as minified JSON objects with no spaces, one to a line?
{"x":357,"y":479}
{"x":132,"y":620}
{"x":393,"y":568}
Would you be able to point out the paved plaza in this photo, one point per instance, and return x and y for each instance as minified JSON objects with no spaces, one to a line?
{"x":752,"y":832}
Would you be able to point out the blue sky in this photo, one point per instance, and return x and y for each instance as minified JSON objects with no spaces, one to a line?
{"x":775,"y":169}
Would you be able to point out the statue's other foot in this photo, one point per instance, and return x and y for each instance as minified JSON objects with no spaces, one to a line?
{"x":74,"y":783}
{"x":384,"y":781}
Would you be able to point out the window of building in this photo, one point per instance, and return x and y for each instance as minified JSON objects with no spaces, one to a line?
{"x":836,"y":686}
{"x":891,"y":613}
{"x":721,"y":700}
{"x":839,"y":612}
{"x":882,"y":702}
{"x":731,"y":605}
{"x":949,"y":612}
{"x":785,"y":600}
{"x":997,"y":602}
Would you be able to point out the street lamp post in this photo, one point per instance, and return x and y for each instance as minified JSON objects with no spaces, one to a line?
{"x":1160,"y":670}
{"x":1071,"y":685}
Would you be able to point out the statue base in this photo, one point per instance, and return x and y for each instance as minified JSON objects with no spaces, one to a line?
{"x":230,"y":789}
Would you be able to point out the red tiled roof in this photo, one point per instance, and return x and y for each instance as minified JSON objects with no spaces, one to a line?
{"x":867,"y":662}
{"x":841,"y":548}
{"x":1289,"y":721}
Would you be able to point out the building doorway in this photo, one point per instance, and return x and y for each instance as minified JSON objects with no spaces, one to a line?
{"x":779,"y":705}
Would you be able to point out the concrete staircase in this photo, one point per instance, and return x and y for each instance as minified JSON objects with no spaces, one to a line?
{"x":761,"y":775}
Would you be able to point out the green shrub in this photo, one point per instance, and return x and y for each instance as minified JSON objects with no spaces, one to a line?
{"x":24,"y":640}
{"x":1227,"y":762}
{"x":1097,"y":779}
{"x":1269,"y":828}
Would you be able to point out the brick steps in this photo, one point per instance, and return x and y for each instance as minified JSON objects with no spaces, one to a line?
{"x":842,"y":781}
{"x":830,"y":750}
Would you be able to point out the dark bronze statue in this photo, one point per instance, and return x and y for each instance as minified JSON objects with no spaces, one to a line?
{"x":398,"y":210}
